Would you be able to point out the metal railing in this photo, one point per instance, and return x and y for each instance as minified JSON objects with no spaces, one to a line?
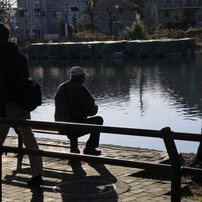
{"x":166,"y":134}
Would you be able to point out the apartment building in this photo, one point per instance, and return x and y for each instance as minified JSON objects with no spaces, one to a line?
{"x":47,"y":19}
{"x":173,"y":11}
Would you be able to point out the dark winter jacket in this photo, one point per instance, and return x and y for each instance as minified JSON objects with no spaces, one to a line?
{"x":73,"y":102}
{"x":13,"y":65}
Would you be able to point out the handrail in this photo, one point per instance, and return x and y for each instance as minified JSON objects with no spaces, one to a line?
{"x":166,"y":134}
{"x":55,"y":126}
{"x":88,"y":158}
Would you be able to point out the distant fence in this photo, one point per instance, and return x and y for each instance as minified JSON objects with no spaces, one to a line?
{"x":166,"y":134}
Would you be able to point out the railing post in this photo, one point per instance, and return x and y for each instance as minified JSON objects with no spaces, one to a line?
{"x":1,"y":176}
{"x":20,"y":145}
{"x":175,"y":164}
{"x":17,"y":131}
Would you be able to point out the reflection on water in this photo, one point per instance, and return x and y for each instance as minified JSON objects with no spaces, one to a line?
{"x":139,"y":93}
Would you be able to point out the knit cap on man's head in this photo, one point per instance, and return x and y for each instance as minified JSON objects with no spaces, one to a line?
{"x":77,"y":71}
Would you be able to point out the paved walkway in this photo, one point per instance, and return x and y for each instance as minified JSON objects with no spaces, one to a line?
{"x":86,"y":181}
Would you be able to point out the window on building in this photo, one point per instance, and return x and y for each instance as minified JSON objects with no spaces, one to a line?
{"x":21,"y":13}
{"x":43,"y":13}
{"x":37,"y":12}
{"x":166,"y":14}
{"x":120,"y":11}
{"x":56,"y":15}
{"x":120,"y":26}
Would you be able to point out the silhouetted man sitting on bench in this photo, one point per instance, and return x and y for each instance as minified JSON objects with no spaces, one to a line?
{"x":74,"y":103}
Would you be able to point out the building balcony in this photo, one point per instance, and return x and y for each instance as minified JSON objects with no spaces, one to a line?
{"x":180,"y":5}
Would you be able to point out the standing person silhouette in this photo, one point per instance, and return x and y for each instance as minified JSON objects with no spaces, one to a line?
{"x":74,"y":103}
{"x":13,"y":66}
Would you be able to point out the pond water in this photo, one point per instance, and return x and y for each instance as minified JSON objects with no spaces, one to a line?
{"x":143,"y":93}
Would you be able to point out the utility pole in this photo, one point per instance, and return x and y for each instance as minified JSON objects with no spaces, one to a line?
{"x":66,"y":4}
{"x":31,"y":17}
{"x":66,"y":20}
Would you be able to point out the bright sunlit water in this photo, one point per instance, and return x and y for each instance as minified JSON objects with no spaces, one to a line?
{"x":143,"y":93}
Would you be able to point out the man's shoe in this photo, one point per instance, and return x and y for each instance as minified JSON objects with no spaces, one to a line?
{"x":92,"y":152}
{"x":35,"y":181}
{"x":77,"y":151}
